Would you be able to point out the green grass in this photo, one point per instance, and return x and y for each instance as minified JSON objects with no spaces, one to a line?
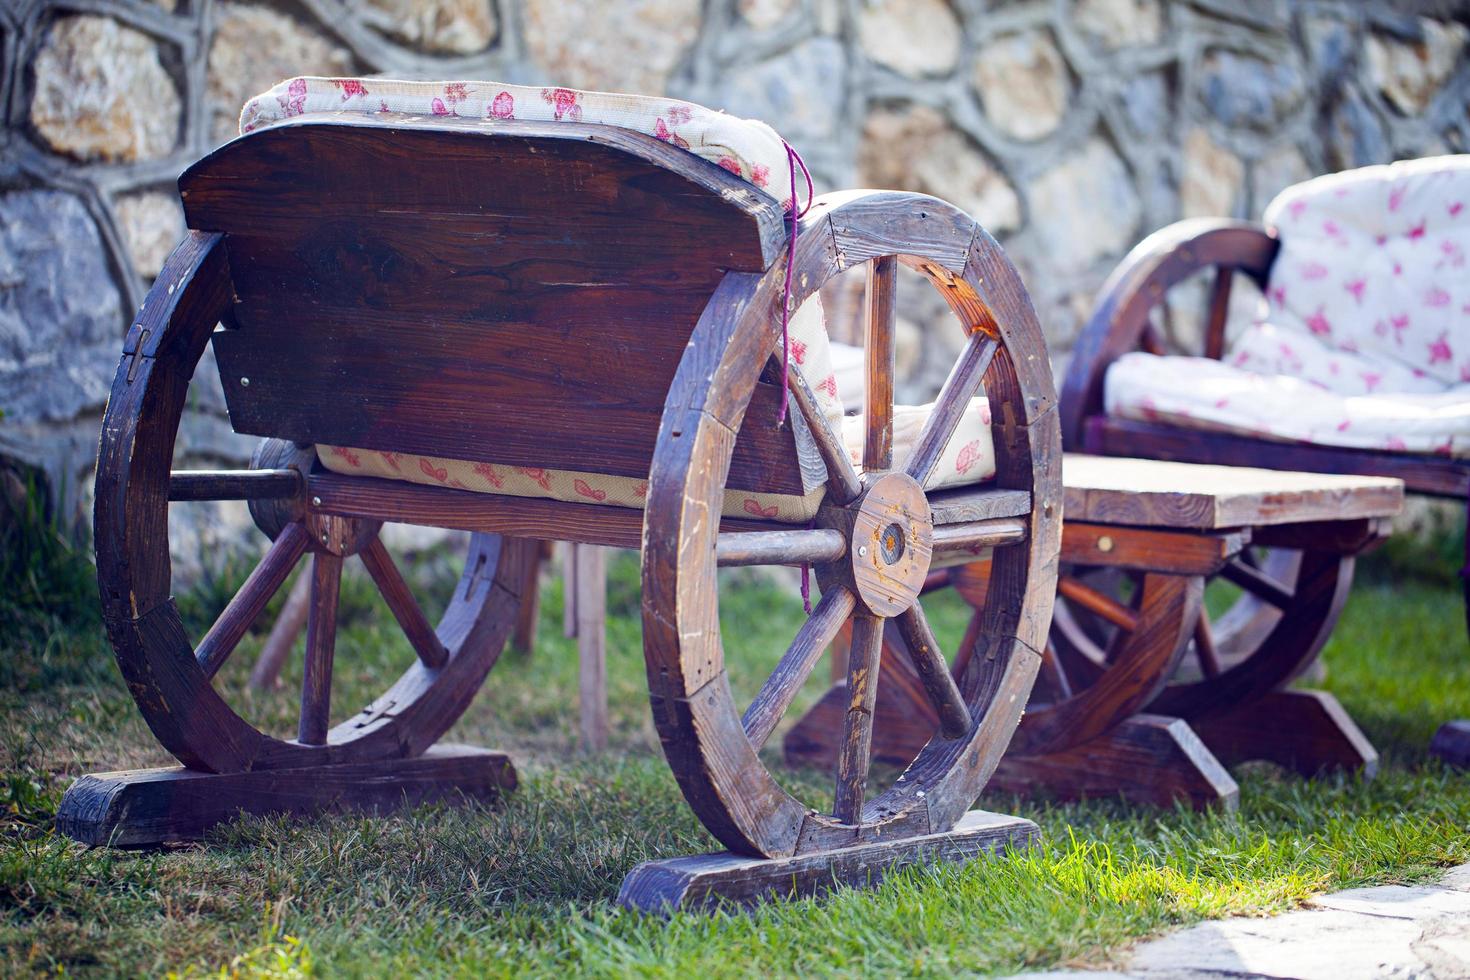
{"x":528,"y":886}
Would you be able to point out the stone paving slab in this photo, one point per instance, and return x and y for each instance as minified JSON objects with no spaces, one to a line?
{"x":1390,"y":931}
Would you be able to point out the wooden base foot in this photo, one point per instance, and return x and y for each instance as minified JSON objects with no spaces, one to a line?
{"x":707,"y":881}
{"x":1149,"y":759}
{"x":1307,"y":732}
{"x":148,"y":807}
{"x":1452,"y":743}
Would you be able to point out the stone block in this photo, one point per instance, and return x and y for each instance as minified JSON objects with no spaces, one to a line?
{"x":1023,"y":84}
{"x":916,"y":38}
{"x":622,"y":47}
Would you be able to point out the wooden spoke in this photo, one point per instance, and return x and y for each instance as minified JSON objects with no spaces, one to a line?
{"x":878,"y":330}
{"x":234,"y":484}
{"x":247,"y":604}
{"x":411,"y":618}
{"x":321,"y":642}
{"x":777,"y":693}
{"x":1098,"y":603}
{"x":1204,"y":646}
{"x":974,"y":537}
{"x":794,"y":547}
{"x":857,"y":728}
{"x":1150,"y":340}
{"x":1053,"y":675}
{"x":843,"y":484}
{"x":964,"y":380}
{"x":939,"y":685}
{"x":1257,"y":583}
{"x":1219,"y":313}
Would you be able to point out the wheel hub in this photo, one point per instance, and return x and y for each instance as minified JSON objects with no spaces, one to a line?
{"x":890,"y":543}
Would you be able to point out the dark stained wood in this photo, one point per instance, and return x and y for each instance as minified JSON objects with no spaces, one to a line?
{"x":321,"y":645}
{"x":928,"y":661}
{"x":285,"y":631}
{"x":402,"y":604}
{"x":1436,"y":476}
{"x":708,"y":882}
{"x":878,"y":318}
{"x":234,"y":484}
{"x":466,"y":510}
{"x":1098,"y":603}
{"x":1147,"y":759}
{"x":248,"y":603}
{"x":1204,"y":646}
{"x":1151,"y":549}
{"x":149,"y":807}
{"x":1257,"y":583}
{"x":792,"y":547}
{"x":1219,"y":312}
{"x":1307,"y":732}
{"x":780,"y":689}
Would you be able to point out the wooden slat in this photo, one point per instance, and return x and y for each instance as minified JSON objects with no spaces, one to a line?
{"x":591,"y":588}
{"x":489,"y":513}
{"x":234,"y":484}
{"x":963,"y":505}
{"x":878,"y":329}
{"x":401,"y":603}
{"x":1096,"y":602}
{"x":775,"y":696}
{"x":1151,"y":493}
{"x":1150,"y":549}
{"x":217,"y":645}
{"x":1258,"y":584}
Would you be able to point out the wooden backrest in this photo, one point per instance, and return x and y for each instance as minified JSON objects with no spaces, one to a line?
{"x":520,"y":295}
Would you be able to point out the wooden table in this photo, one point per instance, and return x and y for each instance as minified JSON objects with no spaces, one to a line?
{"x":1140,"y":692}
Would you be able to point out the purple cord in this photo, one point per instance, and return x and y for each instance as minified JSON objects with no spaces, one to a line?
{"x":793,"y":161}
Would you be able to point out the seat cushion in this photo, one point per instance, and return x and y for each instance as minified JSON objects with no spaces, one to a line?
{"x":1373,"y":262}
{"x":1199,"y":393}
{"x":747,"y":148}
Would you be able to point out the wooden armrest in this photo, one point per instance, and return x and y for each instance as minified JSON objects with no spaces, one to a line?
{"x":1138,"y":284}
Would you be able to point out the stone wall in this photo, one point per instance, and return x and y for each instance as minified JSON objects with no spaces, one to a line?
{"x":1069,"y":127}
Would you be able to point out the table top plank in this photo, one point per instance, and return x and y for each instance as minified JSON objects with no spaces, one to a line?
{"x":1150,"y":493}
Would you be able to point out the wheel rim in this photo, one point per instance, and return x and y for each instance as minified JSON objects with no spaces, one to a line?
{"x":170,"y":681}
{"x":712,"y":749}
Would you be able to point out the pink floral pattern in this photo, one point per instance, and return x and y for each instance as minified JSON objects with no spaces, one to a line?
{"x":1365,"y":337}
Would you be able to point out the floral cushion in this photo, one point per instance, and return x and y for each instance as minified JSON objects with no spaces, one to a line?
{"x":747,"y":148}
{"x":1364,"y":339}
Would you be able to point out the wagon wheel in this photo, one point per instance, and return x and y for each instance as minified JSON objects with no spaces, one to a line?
{"x":169,"y":675}
{"x":1289,"y":598}
{"x":1301,"y":594}
{"x":872,"y":541}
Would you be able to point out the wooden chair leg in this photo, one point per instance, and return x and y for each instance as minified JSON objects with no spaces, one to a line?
{"x":590,"y":589}
{"x":524,"y":637}
{"x":288,"y":626}
{"x":1307,"y":732}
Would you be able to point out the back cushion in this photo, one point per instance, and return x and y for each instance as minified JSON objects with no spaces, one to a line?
{"x":1373,"y":262}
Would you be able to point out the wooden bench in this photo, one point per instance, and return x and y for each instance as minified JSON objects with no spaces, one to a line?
{"x":1143,"y":693}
